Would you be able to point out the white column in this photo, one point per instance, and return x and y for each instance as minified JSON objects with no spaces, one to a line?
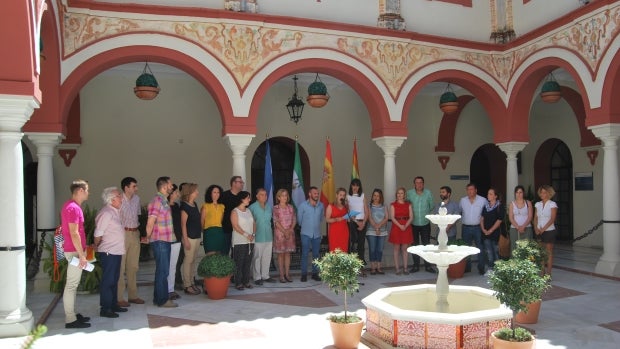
{"x":15,"y":318}
{"x":512,"y":173}
{"x":239,"y":143}
{"x":46,"y":211}
{"x":609,"y":263}
{"x":389,"y":145}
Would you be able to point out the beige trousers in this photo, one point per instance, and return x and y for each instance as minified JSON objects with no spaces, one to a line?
{"x":129,"y":266}
{"x":188,"y":269}
{"x":74,"y":274}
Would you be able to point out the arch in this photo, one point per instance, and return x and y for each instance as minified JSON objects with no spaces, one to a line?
{"x":524,"y":91}
{"x":140,"y":53}
{"x":479,"y":88}
{"x":574,"y":100}
{"x":609,"y":112}
{"x":367,"y":90}
{"x":488,"y":169}
{"x":447,"y":128}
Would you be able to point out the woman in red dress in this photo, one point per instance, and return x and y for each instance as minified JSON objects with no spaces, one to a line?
{"x":336,"y":215}
{"x":401,"y":234}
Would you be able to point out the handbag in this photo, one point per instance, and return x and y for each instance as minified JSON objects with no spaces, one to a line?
{"x":504,"y":245}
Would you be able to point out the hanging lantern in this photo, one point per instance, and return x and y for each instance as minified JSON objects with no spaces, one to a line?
{"x":317,"y":93}
{"x":448,"y":102}
{"x":295,"y":105}
{"x":147,"y":87}
{"x":551,"y":90}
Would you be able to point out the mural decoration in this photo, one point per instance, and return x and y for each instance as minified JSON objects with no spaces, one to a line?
{"x":245,"y":49}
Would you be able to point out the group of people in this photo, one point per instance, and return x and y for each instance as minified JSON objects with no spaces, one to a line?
{"x":228,"y":224}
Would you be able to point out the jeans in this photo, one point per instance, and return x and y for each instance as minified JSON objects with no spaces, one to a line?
{"x":308,"y":242}
{"x":421,"y":236}
{"x":473,"y":233}
{"x":108,"y":287}
{"x":492,"y":251}
{"x":375,"y":247}
{"x":161,"y":251}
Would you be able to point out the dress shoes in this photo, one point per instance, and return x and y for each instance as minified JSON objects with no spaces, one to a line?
{"x":123,"y":304}
{"x":77,"y":324}
{"x":316,"y":277}
{"x":168,"y":304}
{"x":269,"y":280}
{"x":415,"y":269}
{"x":431,"y":269}
{"x":108,"y":313}
{"x":258,"y":282}
{"x":136,"y":301}
{"x":119,"y":309}
{"x":81,"y":318}
{"x":304,"y":278}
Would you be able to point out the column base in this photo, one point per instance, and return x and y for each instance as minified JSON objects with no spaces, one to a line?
{"x":610,"y":268}
{"x":16,"y":325}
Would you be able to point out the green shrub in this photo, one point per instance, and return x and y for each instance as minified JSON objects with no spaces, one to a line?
{"x":216,"y":265}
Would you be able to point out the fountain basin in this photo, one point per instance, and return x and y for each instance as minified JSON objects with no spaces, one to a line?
{"x":405,"y":317}
{"x":452,"y":254}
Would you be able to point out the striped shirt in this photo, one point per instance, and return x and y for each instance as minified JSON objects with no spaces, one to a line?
{"x":129,"y":211}
{"x":163,"y":229}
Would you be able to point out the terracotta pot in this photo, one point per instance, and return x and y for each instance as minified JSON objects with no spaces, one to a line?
{"x":90,"y":252}
{"x":457,"y":270}
{"x":551,"y":97}
{"x":531,"y":317}
{"x":146,"y":92}
{"x":449,"y":107}
{"x":317,"y":101}
{"x":502,"y":344}
{"x":217,"y":288}
{"x":346,"y":336}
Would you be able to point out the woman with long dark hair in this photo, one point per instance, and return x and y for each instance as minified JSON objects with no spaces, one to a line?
{"x":211,"y":215}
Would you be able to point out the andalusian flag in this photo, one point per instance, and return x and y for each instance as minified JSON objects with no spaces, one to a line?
{"x":328,"y":190}
{"x":355,"y":172}
{"x":268,"y":182}
{"x":297,"y":193}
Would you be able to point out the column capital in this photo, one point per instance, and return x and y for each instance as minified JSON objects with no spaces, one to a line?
{"x":15,"y":111}
{"x":512,"y":148}
{"x":238,"y":143}
{"x":45,"y":141}
{"x":606,"y":132}
{"x":389,"y":144}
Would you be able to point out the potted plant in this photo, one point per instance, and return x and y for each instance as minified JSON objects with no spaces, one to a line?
{"x":339,"y":270}
{"x":516,"y":282}
{"x":532,"y":251}
{"x":216,"y":269}
{"x":457,"y":270}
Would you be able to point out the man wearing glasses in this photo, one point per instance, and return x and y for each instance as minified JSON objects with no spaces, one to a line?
{"x":230,"y":200}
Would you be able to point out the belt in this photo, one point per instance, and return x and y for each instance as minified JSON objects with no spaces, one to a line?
{"x":359,"y":220}
{"x":471,"y":225}
{"x":131,"y":229}
{"x":401,"y":217}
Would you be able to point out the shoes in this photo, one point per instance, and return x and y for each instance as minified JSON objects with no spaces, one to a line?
{"x":168,"y":304}
{"x":77,"y":324}
{"x":258,"y":282}
{"x":108,"y":313}
{"x":398,"y":272}
{"x":431,"y":269}
{"x":173,"y":296}
{"x":415,"y":269}
{"x":136,"y":301}
{"x":304,"y":278}
{"x":481,"y":271}
{"x":316,"y":277}
{"x":249,"y":286}
{"x":380,"y":272}
{"x":191,"y":290}
{"x":405,"y":271}
{"x":287,"y":278}
{"x":123,"y":304}
{"x":283,"y":281}
{"x":240,"y":287}
{"x":373,"y":272}
{"x":119,"y":309}
{"x":82,"y":318}
{"x":269,"y":280}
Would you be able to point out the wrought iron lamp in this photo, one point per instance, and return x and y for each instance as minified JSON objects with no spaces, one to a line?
{"x":147,"y":86}
{"x":295,"y":106}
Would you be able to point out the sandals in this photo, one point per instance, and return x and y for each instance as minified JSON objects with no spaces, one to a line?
{"x":240,"y":287}
{"x":191,"y":290}
{"x":283,"y":281}
{"x":373,"y":272}
{"x":380,"y":272}
{"x":287,"y":279}
{"x":249,"y":286}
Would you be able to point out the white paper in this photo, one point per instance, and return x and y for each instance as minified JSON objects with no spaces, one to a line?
{"x":76,"y":262}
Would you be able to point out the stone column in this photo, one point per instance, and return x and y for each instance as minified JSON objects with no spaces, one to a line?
{"x":609,"y":263}
{"x":46,"y":210}
{"x":389,"y":145}
{"x":512,"y":174}
{"x":15,"y":318}
{"x":238,"y":143}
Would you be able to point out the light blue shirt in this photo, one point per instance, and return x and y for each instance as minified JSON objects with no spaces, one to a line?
{"x":471,"y":212}
{"x":309,"y":218}
{"x":262,"y":217}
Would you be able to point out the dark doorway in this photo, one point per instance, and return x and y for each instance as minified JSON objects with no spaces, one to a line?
{"x":30,"y":200}
{"x":282,"y":162}
{"x":554,"y":165}
{"x":488,"y":169}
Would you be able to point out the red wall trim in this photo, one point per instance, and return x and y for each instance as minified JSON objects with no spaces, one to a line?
{"x":465,"y":3}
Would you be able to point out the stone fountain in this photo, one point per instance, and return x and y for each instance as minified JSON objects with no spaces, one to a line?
{"x":435,"y":316}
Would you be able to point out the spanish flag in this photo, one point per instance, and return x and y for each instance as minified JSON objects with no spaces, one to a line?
{"x":355,"y":171}
{"x":328,"y":191}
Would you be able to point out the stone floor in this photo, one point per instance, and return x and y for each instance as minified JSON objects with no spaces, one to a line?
{"x":581,"y":310}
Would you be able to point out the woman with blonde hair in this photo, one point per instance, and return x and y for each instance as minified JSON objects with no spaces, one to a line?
{"x":191,"y":230}
{"x":284,"y":221}
{"x":337,"y":215}
{"x":544,"y":219}
{"x":401,"y":234}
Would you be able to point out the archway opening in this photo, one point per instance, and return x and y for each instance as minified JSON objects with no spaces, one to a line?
{"x":488,"y":169}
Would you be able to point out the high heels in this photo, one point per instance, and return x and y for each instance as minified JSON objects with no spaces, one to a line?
{"x":287,"y":278}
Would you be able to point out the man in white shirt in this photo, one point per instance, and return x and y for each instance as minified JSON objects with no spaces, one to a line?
{"x":471,"y":210}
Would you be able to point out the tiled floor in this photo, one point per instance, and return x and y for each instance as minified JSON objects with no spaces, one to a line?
{"x":581,"y":310}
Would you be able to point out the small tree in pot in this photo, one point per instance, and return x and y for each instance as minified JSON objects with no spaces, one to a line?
{"x":516,"y":282}
{"x":216,"y":270}
{"x":339,"y":270}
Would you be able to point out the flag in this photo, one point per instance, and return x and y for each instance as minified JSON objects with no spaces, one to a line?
{"x":297,"y":193}
{"x":355,"y":171}
{"x":268,"y":183}
{"x":328,"y":191}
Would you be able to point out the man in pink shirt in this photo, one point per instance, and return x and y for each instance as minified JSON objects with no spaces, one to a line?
{"x":72,"y":223}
